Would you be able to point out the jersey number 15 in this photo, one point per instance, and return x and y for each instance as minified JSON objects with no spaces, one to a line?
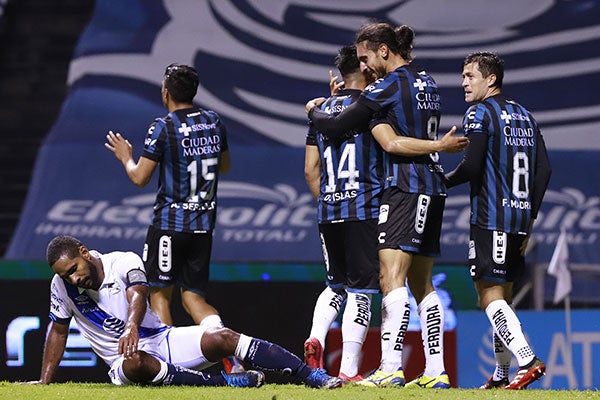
{"x":208,"y":176}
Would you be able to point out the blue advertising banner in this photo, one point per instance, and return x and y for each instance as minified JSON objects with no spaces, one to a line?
{"x":573,"y":366}
{"x":259,"y":62}
{"x":572,"y":200}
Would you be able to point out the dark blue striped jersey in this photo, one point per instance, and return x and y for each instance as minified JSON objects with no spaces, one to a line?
{"x":408,"y":100}
{"x":501,"y":197}
{"x":351,"y":168}
{"x":187,"y":144}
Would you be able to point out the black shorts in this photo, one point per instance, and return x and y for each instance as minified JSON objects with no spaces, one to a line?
{"x":495,"y":255}
{"x":178,"y":258}
{"x":350,"y":252}
{"x":411,"y":222}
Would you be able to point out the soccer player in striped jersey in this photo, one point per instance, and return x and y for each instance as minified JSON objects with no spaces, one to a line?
{"x":189,"y":146}
{"x":507,"y":167}
{"x":346,"y":177}
{"x":107,"y":296}
{"x":406,"y":106}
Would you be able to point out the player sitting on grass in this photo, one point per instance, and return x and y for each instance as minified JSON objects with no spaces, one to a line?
{"x":107,"y":294}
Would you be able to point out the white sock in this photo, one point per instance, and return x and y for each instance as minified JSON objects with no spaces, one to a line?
{"x":355,"y":324}
{"x":431,"y":315}
{"x":212,"y":321}
{"x":326,"y":310}
{"x":503,"y":357}
{"x":395,"y":314}
{"x":162,"y":373}
{"x":241,"y":350}
{"x":508,"y":328}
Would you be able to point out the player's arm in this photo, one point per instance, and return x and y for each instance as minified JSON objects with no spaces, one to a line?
{"x":542,"y":176}
{"x":140,"y":172}
{"x":353,"y":116}
{"x":137,"y":296}
{"x":471,"y":165}
{"x":225,"y":162}
{"x":224,"y":156}
{"x":312,"y":170}
{"x":54,"y":347}
{"x":412,"y":147}
{"x":540,"y":184}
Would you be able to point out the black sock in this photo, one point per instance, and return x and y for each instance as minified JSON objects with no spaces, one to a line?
{"x":270,"y":356}
{"x":177,"y":375}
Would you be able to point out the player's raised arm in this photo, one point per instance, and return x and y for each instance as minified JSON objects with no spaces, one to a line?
{"x":140,"y":172}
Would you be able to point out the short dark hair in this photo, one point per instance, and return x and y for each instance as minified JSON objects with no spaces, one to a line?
{"x":60,"y":246}
{"x":182,"y":82}
{"x":489,"y":63}
{"x":346,"y":60}
{"x":398,"y":40}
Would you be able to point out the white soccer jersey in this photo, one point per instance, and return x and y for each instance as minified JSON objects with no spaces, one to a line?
{"x":101,"y":315}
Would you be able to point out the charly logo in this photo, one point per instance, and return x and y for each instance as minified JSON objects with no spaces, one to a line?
{"x":268,"y":39}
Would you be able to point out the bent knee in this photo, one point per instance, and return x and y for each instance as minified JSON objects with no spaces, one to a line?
{"x":135,"y":362}
{"x":138,"y":368}
{"x":219,"y":342}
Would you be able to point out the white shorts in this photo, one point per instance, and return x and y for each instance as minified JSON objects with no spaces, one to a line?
{"x":177,"y":345}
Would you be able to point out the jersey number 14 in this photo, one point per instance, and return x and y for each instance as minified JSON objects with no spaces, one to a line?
{"x":346,"y":168}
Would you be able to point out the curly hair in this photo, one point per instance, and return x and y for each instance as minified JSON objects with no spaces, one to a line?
{"x":60,"y":246}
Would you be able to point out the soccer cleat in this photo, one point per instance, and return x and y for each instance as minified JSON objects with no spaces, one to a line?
{"x":313,"y":353}
{"x":527,"y":375}
{"x":346,"y":378}
{"x":248,"y":378}
{"x":492,"y":384}
{"x":233,"y":364}
{"x":384,"y":379}
{"x":442,"y":381}
{"x":319,"y":379}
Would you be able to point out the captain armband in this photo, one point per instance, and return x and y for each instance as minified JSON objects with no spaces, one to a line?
{"x":136,"y":277}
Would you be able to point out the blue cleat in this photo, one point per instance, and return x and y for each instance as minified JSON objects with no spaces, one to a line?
{"x":248,"y":378}
{"x":320,"y":380}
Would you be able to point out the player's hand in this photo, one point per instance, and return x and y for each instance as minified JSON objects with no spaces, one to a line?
{"x":314,"y":103}
{"x":453,"y":144}
{"x":525,"y":243}
{"x":128,"y":343}
{"x":119,"y":146}
{"x":334,"y":85}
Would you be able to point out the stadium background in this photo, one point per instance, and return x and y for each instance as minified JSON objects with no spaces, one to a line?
{"x":73,"y":69}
